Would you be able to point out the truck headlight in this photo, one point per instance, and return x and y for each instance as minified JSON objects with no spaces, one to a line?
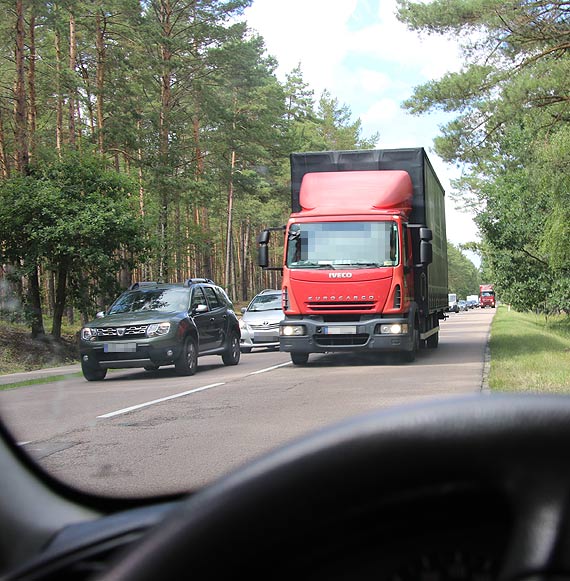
{"x":394,"y":329}
{"x":157,"y":329}
{"x":292,"y":330}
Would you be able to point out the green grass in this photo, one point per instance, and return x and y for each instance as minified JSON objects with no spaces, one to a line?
{"x":529,"y":353}
{"x":42,"y":380}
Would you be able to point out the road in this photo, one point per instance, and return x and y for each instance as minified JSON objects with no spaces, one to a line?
{"x":141,"y":433}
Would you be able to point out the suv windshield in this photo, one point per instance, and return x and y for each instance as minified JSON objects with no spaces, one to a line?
{"x":151,"y":300}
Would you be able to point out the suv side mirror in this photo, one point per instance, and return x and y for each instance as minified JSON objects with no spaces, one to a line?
{"x":200,"y":309}
{"x":100,"y":315}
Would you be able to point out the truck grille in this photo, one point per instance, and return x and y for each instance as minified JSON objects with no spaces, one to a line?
{"x":330,"y":307}
{"x":131,"y":332}
{"x":341,"y":340}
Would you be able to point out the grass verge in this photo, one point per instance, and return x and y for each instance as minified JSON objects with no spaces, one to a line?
{"x":42,"y":380}
{"x":529,"y":353}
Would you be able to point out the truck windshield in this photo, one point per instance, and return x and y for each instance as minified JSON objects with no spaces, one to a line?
{"x":342,"y":245}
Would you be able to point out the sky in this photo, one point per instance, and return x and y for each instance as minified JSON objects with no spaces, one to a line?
{"x":361,"y":54}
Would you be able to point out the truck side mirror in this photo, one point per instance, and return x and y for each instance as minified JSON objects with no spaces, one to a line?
{"x":263,"y":255}
{"x":426,"y":234}
{"x":426,"y":252}
{"x":263,"y":237}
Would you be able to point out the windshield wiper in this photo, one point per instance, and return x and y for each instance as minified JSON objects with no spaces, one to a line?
{"x":314,"y":265}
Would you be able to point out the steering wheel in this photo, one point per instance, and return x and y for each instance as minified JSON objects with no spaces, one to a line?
{"x":472,"y":486}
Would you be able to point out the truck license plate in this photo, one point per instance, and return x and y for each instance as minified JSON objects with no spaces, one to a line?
{"x":120,"y":347}
{"x":348,"y":330}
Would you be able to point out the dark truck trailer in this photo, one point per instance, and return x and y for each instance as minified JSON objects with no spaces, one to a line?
{"x":365,"y":265}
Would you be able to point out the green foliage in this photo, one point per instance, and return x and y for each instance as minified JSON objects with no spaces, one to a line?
{"x":463,"y":276}
{"x":511,"y":132}
{"x":74,"y":217}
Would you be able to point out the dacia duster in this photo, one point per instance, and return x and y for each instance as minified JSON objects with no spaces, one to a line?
{"x":153,"y":324}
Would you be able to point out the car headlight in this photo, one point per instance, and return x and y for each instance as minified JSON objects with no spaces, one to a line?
{"x":293,"y":330}
{"x":157,"y":329}
{"x":394,"y":329}
{"x":88,"y":334}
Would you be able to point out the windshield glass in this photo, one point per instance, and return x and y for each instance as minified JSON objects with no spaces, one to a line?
{"x":346,"y":244}
{"x":268,"y":302}
{"x":151,"y":300}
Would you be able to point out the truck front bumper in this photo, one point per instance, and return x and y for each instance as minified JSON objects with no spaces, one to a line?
{"x":305,"y":335}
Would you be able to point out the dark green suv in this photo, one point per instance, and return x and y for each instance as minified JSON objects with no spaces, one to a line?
{"x":154,"y":324}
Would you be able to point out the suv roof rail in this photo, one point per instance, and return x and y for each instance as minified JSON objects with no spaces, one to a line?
{"x":192,"y":281}
{"x":270,"y":290}
{"x":137,"y":285}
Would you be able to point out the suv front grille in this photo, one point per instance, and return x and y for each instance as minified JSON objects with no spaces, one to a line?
{"x":131,"y":332}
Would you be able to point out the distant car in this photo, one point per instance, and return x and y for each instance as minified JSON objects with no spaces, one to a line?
{"x":462,"y":305}
{"x":260,"y":321}
{"x":153,"y":324}
{"x":472,"y":304}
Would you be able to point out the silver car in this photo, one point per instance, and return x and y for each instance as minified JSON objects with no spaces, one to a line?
{"x":260,"y":321}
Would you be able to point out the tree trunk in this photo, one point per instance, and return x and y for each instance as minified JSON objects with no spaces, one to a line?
{"x":100,"y":79}
{"x":4,"y":165}
{"x":20,"y":107}
{"x":32,"y":109}
{"x":72,"y":90}
{"x":59,"y":103}
{"x":229,"y":224}
{"x":35,"y":304}
{"x":60,"y":295}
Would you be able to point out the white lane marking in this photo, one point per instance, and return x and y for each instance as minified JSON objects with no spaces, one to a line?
{"x":146,"y":404}
{"x":270,"y":368}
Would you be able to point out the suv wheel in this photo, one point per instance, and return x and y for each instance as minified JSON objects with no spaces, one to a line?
{"x":187,"y":363}
{"x":92,"y":373}
{"x":232,"y":353}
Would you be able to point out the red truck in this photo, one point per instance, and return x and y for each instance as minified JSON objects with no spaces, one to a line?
{"x":486,"y":296}
{"x":365,"y":260}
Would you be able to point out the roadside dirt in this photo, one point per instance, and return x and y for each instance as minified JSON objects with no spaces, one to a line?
{"x":19,"y":352}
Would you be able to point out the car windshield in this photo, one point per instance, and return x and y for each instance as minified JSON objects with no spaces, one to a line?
{"x":153,"y":163}
{"x":151,"y":300}
{"x":266,"y":303}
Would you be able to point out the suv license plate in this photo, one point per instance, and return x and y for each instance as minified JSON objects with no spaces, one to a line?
{"x":120,"y":347}
{"x":345,"y":330}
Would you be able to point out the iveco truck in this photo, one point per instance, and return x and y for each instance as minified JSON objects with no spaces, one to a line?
{"x":365,"y":257}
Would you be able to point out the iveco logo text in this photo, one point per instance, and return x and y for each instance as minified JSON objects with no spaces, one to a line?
{"x":340,"y":274}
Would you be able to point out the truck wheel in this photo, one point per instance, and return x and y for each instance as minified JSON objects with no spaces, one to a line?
{"x":232,"y":353}
{"x":410,"y":356}
{"x":299,"y":358}
{"x":187,"y":362}
{"x":92,"y":373}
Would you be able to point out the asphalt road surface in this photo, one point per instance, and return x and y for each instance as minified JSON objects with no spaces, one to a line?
{"x":143,"y":433}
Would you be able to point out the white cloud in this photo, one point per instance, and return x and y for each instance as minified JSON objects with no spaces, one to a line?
{"x":371,"y":65}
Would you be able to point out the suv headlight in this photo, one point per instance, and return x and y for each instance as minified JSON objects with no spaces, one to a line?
{"x":157,"y":329}
{"x":88,"y":334}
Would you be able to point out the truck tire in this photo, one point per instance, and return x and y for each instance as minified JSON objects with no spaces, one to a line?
{"x":232,"y":353}
{"x":92,"y":373}
{"x":410,"y":356}
{"x":299,"y":358}
{"x":187,"y":362}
